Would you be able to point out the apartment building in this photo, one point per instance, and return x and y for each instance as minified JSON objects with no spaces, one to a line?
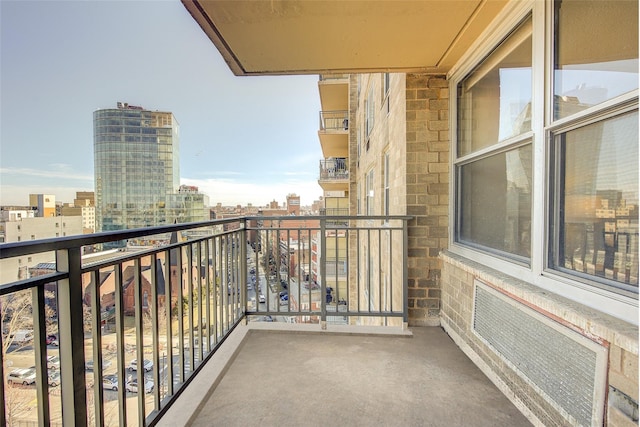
{"x":44,"y":204}
{"x":137,"y":164}
{"x":508,"y":130}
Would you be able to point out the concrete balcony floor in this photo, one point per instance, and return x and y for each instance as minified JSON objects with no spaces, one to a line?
{"x":285,"y":375}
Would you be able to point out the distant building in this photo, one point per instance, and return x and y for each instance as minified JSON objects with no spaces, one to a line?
{"x":45,"y":204}
{"x":20,"y":229}
{"x":187,"y":205}
{"x":137,"y":164}
{"x":83,"y":206}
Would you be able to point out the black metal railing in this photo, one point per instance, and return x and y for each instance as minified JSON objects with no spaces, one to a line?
{"x":334,"y":120}
{"x":334,"y":168}
{"x":132,"y":327}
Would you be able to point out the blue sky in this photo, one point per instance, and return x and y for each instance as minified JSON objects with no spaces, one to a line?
{"x":242,"y":139}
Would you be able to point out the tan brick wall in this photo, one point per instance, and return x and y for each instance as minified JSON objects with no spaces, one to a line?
{"x":427,"y":191}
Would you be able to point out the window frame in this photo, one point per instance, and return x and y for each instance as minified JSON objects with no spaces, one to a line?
{"x":617,"y":304}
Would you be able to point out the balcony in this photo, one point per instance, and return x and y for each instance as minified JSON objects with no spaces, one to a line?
{"x":334,"y":92}
{"x":334,"y":133}
{"x":174,"y":301}
{"x":334,"y":174}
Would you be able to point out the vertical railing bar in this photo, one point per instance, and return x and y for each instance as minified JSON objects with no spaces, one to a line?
{"x":168,"y":318}
{"x":358,"y":264}
{"x":309,"y":265}
{"x":323,"y":272}
{"x":155,"y":347}
{"x":216,"y":287}
{"x":180,"y":343}
{"x":288,"y":258}
{"x":369,"y":269}
{"x":347,"y":269}
{"x":3,"y":417}
{"x":267,"y":270}
{"x":40,"y":351}
{"x":199,"y":295}
{"x":405,"y":274}
{"x":222,"y":286}
{"x":119,"y":302}
{"x":390,"y":266}
{"x":189,"y":248}
{"x":380,"y":270}
{"x":207,"y":291}
{"x":137,"y":283}
{"x":96,"y":323}
{"x":335,"y":266}
{"x":244,"y":266}
{"x":225,"y":293}
{"x":71,"y":326}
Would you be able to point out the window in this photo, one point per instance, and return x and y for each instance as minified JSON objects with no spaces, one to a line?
{"x":386,"y":184}
{"x":494,"y":166}
{"x":370,"y":113}
{"x":358,"y":199}
{"x":33,"y":237}
{"x":369,"y":195}
{"x":385,"y":91}
{"x":596,"y":52}
{"x":595,"y":216}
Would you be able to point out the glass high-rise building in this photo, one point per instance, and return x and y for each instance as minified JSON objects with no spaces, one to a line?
{"x":137,"y":165}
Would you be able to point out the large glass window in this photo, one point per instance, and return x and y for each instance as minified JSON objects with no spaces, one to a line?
{"x":595,"y":222}
{"x":495,"y":202}
{"x":596,"y":53}
{"x":494,"y":101}
{"x":494,"y":170}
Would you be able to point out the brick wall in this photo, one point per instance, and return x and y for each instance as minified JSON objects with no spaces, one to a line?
{"x":427,"y":196}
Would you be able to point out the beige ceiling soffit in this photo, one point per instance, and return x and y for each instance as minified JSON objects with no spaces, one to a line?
{"x":200,"y":16}
{"x":482,"y":16}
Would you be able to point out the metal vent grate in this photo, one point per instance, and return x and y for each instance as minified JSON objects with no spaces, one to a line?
{"x":568,"y":368}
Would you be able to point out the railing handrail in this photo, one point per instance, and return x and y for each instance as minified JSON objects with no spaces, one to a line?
{"x":14,"y":249}
{"x":215,"y":270}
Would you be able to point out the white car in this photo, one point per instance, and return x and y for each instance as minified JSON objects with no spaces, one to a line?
{"x":24,"y":376}
{"x":146,"y":364}
{"x":261,"y":298}
{"x":132,"y":386}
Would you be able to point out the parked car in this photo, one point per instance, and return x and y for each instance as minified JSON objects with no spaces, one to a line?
{"x":132,"y":386}
{"x":54,"y":378}
{"x":52,"y":340}
{"x":24,"y":376}
{"x":89,"y":364}
{"x":22,"y":337}
{"x":261,"y":298}
{"x":53,"y":362}
{"x":110,"y":382}
{"x":146,"y":364}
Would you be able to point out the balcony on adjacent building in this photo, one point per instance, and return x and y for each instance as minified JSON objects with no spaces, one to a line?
{"x":334,"y":133}
{"x":334,"y":174}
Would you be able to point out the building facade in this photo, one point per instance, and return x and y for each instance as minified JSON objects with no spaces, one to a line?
{"x":44,"y":204}
{"x":524,"y":240}
{"x":136,"y":160}
{"x":21,"y":228}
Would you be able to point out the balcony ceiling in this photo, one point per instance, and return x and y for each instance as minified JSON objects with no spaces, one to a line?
{"x":259,"y":37}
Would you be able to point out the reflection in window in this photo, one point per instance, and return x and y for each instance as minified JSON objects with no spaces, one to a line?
{"x":594,"y":63}
{"x":495,"y":202}
{"x":494,"y":101}
{"x":597,"y":181}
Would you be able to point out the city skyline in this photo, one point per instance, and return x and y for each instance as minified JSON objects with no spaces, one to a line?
{"x":53,"y":80}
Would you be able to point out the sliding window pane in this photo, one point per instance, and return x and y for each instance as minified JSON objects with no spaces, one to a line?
{"x":494,"y":101}
{"x":596,"y":51}
{"x":495,"y":202}
{"x":597,"y":214}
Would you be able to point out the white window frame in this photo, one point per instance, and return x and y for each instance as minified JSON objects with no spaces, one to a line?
{"x":604,"y":300}
{"x":386,"y":191}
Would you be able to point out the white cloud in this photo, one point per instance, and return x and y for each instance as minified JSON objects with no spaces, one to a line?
{"x":61,"y":173}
